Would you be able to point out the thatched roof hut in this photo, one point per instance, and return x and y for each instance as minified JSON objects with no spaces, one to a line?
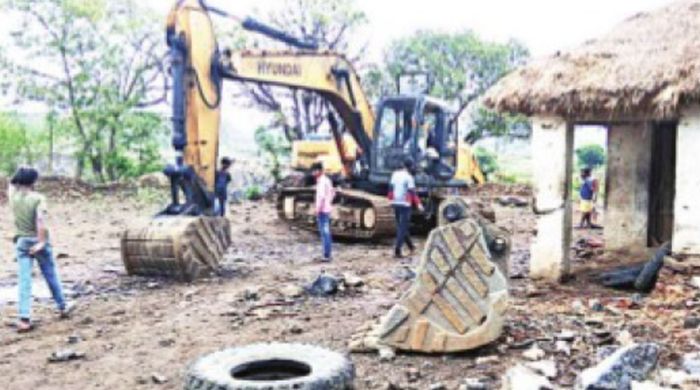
{"x":648,"y":67}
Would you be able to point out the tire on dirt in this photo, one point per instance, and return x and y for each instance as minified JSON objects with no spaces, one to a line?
{"x":181,"y":248}
{"x":271,"y":367}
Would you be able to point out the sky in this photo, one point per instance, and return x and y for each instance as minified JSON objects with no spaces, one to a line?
{"x":545,"y":26}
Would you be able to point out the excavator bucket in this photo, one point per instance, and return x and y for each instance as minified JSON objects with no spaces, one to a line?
{"x":181,"y":248}
{"x":458,"y":300}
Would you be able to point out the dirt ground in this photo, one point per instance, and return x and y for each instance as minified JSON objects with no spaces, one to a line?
{"x":132,"y":329}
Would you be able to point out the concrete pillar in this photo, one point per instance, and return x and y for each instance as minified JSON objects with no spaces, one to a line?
{"x":552,"y":150}
{"x":629,"y":172}
{"x":686,"y":230}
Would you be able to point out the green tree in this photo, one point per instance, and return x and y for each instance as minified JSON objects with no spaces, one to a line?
{"x":275,"y":148}
{"x":462,"y":67}
{"x":332,"y":24}
{"x":98,"y":62}
{"x":592,"y":155}
{"x":14,"y":143}
{"x":488,"y":161}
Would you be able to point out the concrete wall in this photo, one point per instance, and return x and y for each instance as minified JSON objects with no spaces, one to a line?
{"x":552,"y":150}
{"x":686,"y":232}
{"x":629,"y":171}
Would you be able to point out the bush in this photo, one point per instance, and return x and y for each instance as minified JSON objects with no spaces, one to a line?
{"x":275,"y":148}
{"x":591,"y":156}
{"x":487,"y":161}
{"x":253,"y":193}
{"x":14,"y":143}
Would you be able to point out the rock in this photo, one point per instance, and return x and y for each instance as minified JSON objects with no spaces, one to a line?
{"x":292,"y":291}
{"x":617,"y":371}
{"x":578,"y":307}
{"x":324,"y":285}
{"x":65,"y":355}
{"x":474,"y":384}
{"x":647,"y":385}
{"x":563,"y":347}
{"x":252,"y":293}
{"x":534,"y":353}
{"x":679,"y":379}
{"x":523,"y":378}
{"x":691,"y":363}
{"x":74,"y":339}
{"x":413,"y":374}
{"x":437,"y":386}
{"x":595,"y":305}
{"x":352,"y":280}
{"x":481,"y":360}
{"x":386,"y":354}
{"x":691,"y":322}
{"x":566,"y":335}
{"x":624,"y":338}
{"x":158,"y":379}
{"x":695,"y":282}
{"x":515,"y":201}
{"x":548,"y":368}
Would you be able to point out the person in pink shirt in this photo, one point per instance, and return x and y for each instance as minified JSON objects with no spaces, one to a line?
{"x":324,"y":206}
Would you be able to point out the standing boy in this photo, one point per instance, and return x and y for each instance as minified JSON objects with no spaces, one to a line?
{"x":403,"y":197}
{"x":324,"y":206}
{"x":32,"y":242}
{"x":589,"y":195}
{"x":223,"y":178}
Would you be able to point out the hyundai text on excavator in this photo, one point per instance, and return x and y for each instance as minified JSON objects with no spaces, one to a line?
{"x":456,"y":275}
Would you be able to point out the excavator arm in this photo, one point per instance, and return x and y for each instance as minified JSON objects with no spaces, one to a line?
{"x":198,"y":72}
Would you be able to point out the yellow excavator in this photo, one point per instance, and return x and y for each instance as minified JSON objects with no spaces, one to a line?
{"x":459,"y":293}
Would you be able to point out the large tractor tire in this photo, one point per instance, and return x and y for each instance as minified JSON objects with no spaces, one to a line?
{"x":459,"y":299}
{"x":272,"y":367}
{"x":181,"y":248}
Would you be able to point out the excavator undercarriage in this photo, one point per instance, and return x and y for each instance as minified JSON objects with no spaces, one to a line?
{"x":356,"y":214}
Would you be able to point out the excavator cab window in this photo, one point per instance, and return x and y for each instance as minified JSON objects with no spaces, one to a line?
{"x":395,"y":134}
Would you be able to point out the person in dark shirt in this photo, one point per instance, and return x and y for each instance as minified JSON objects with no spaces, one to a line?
{"x":223,"y":178}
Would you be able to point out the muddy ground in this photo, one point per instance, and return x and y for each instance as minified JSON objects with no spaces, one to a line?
{"x":132,"y":329}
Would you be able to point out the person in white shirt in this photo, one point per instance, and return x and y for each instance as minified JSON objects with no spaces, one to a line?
{"x":403,"y":196}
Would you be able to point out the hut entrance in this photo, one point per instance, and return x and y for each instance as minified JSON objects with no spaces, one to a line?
{"x":662,"y":182}
{"x":590,"y":154}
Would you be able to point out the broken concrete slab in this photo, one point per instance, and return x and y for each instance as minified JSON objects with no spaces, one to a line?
{"x":617,"y":371}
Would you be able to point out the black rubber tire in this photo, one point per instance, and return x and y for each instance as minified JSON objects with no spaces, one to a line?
{"x":328,"y":370}
{"x":646,"y":280}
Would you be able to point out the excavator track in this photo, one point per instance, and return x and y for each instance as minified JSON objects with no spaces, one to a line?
{"x":459,"y":297}
{"x":181,"y":248}
{"x":356,"y":214}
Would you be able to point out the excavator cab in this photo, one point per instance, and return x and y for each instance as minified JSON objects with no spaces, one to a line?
{"x":418,"y":127}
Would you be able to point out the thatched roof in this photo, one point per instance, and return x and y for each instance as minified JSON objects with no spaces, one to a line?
{"x":648,"y":66}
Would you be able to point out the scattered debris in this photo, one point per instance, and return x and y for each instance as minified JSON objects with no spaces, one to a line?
{"x":158,"y":379}
{"x":691,"y":363}
{"x":523,"y":378}
{"x":548,"y":368}
{"x":619,"y":369}
{"x":386,"y":354}
{"x":323,"y":286}
{"x":534,"y":353}
{"x":514,"y":201}
{"x":65,"y":355}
